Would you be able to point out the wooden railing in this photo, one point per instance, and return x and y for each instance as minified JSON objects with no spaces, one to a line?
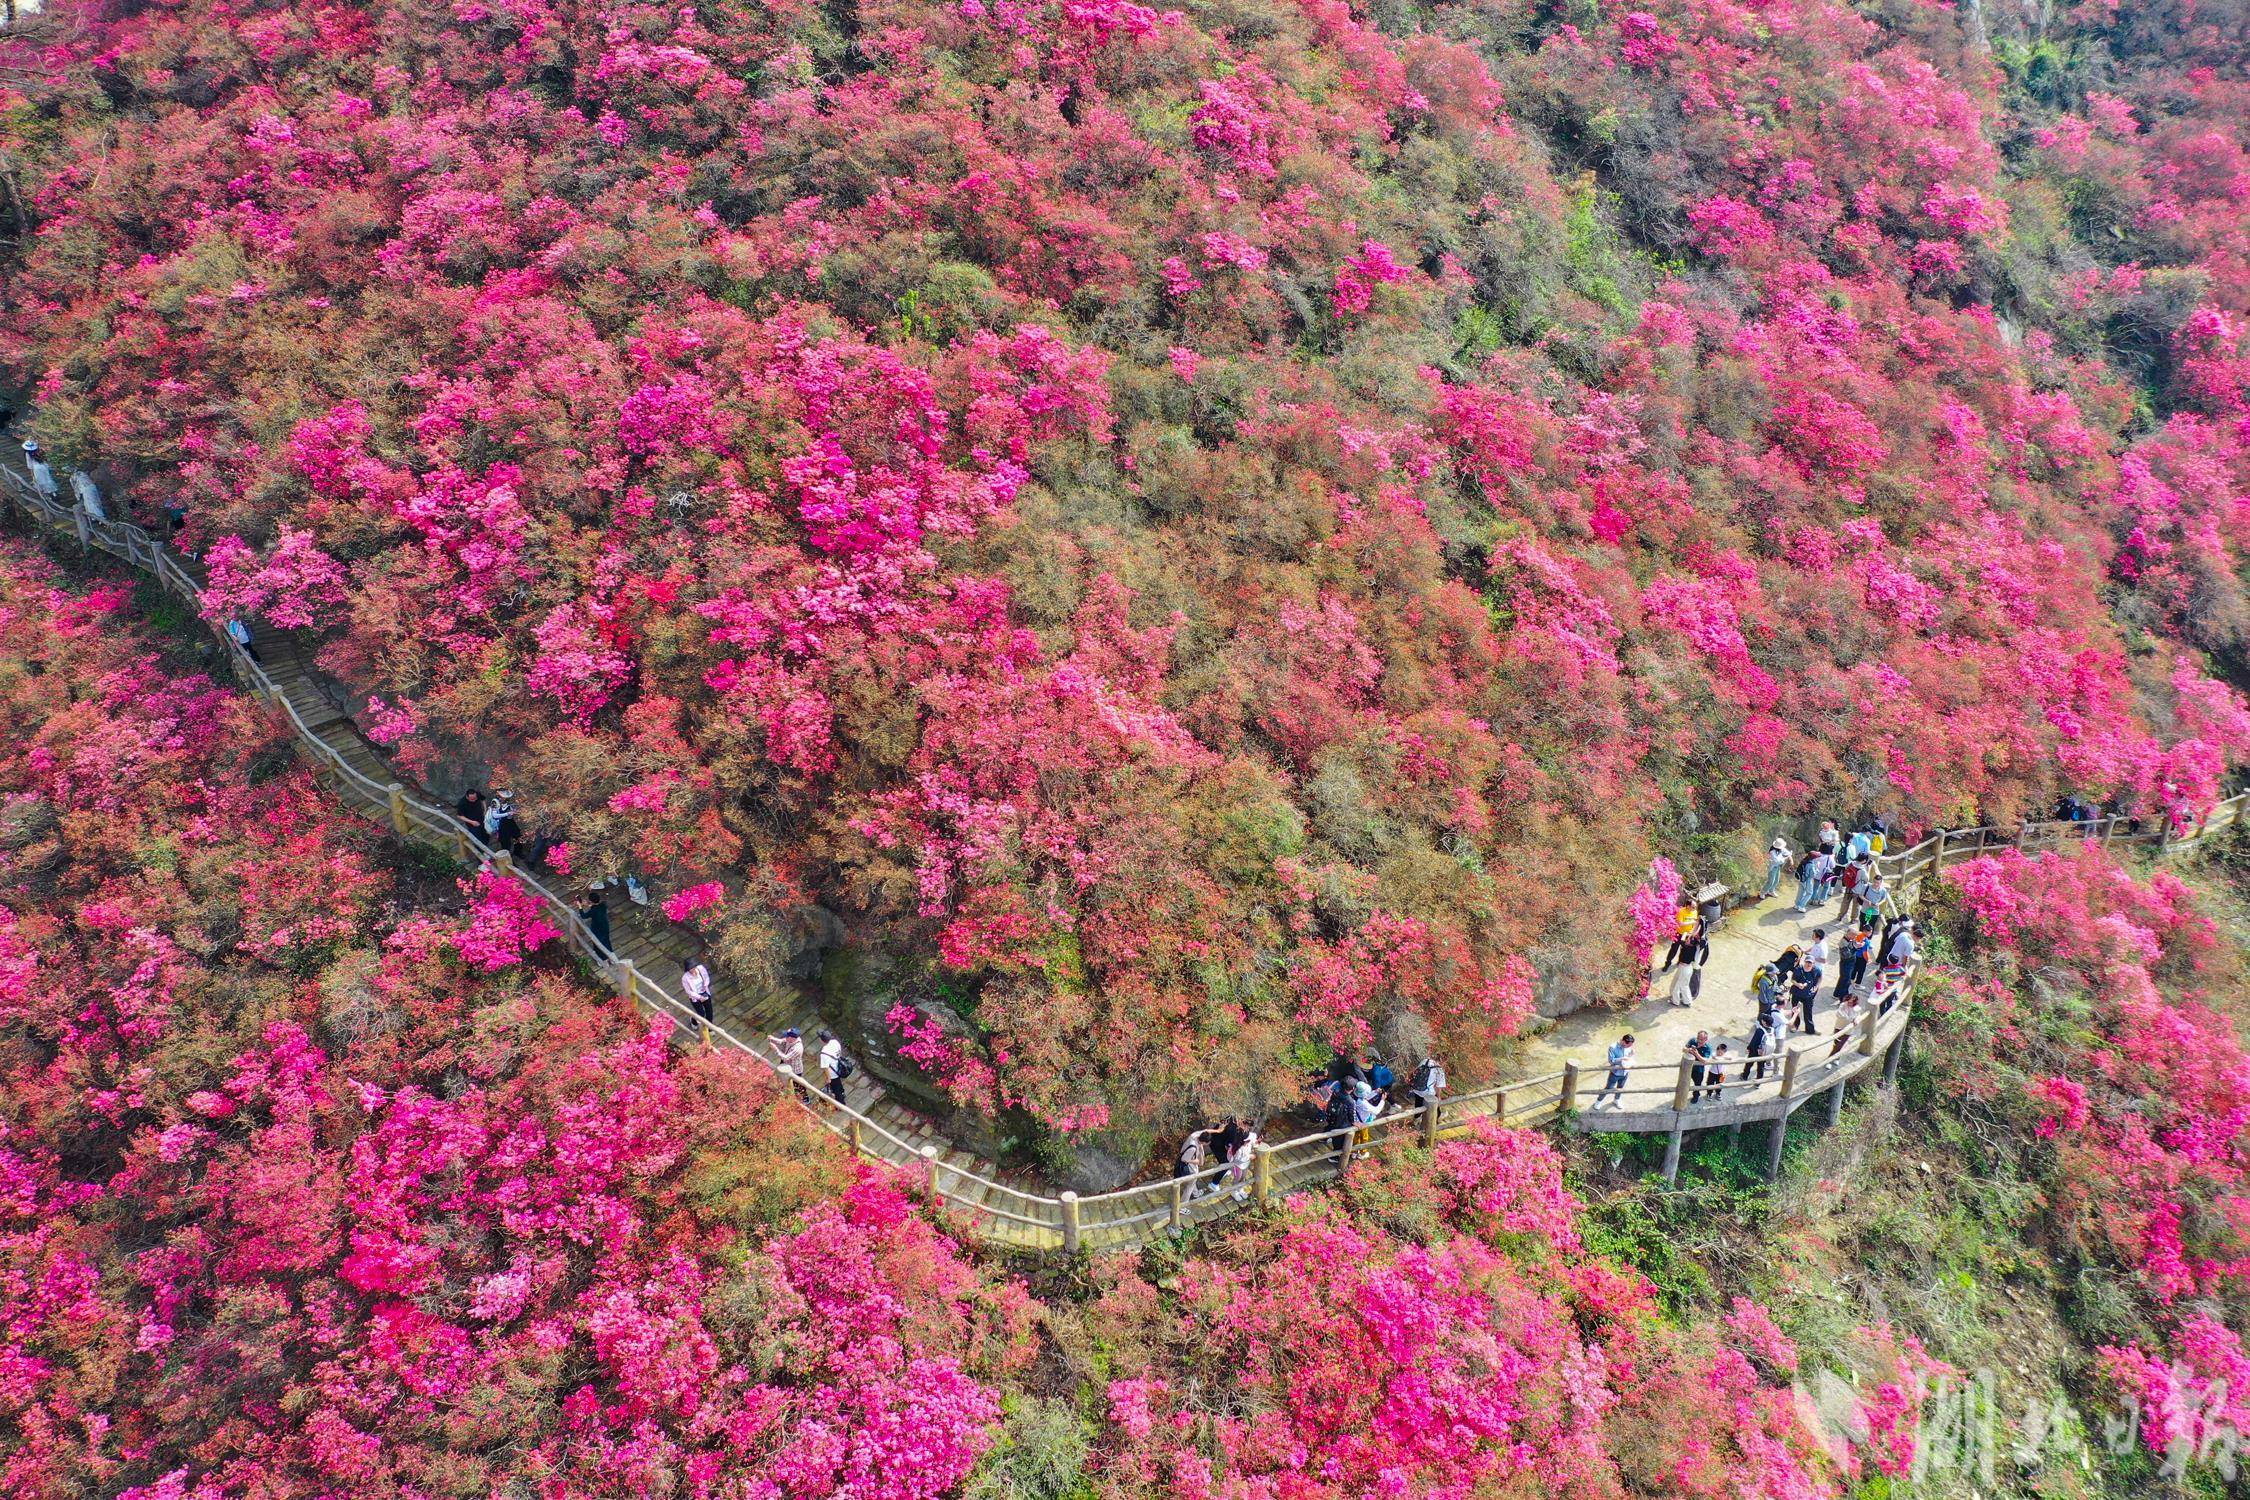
{"x":1663,"y":1096}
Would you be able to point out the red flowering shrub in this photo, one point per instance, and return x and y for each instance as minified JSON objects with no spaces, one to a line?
{"x":301,"y":1195}
{"x":1189,"y":533}
{"x":2101,"y":1021}
{"x":1340,"y":1358}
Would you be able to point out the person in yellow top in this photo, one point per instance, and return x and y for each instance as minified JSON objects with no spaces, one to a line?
{"x":1684,"y":941}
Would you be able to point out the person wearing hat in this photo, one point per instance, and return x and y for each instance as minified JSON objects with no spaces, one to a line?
{"x":789,"y":1052}
{"x":1777,"y":863}
{"x":42,"y":477}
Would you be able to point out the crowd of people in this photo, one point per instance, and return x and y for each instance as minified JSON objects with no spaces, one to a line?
{"x":1867,"y":957}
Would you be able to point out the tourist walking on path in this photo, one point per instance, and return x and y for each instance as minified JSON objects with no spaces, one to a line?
{"x":595,"y":914}
{"x":1777,"y":865}
{"x":837,"y":1066}
{"x":1620,"y":1058}
{"x":470,"y":810}
{"x":1808,"y":881}
{"x":695,"y":979}
{"x":789,"y":1052}
{"x":1428,"y":1081}
{"x":88,"y":495}
{"x":239,"y":633}
{"x":1190,"y":1160}
{"x":42,"y":477}
{"x":1687,"y":987}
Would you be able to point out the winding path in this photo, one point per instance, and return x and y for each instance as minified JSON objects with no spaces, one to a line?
{"x":1561,"y":1069}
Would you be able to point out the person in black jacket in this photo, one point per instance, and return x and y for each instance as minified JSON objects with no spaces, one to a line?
{"x":596,"y":917}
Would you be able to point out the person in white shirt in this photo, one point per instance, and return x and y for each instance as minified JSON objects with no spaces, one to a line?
{"x":1819,"y":951}
{"x":42,"y":477}
{"x":835,"y":1065}
{"x":1428,"y":1081}
{"x":1777,"y":864}
{"x":695,"y":979}
{"x":89,"y":495}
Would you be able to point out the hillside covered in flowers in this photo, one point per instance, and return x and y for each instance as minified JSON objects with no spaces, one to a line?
{"x":1151,"y":542}
{"x":359,"y":1203}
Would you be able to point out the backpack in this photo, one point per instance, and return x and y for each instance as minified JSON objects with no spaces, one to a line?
{"x":845,"y":1067}
{"x":1381,"y":1076}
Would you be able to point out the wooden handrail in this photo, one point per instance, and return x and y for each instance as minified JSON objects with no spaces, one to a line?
{"x":1119,"y":1216}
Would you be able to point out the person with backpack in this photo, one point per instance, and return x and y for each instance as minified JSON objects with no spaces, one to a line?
{"x":1685,"y":923}
{"x":837,"y":1066}
{"x":1339,"y":1116}
{"x":1763,"y":1040}
{"x":1190,"y":1162}
{"x":1428,"y":1081}
{"x":1872,"y":895}
{"x":1808,"y":880}
{"x":1851,"y":965}
{"x":1620,"y":1060}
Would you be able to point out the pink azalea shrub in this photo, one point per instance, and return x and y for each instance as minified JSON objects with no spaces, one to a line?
{"x":1223,"y":534}
{"x":395,"y":1209}
{"x":2100,"y":1018}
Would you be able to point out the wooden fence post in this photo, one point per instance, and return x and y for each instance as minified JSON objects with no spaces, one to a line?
{"x":1682,"y":1087}
{"x":937,"y":1195}
{"x":1499,"y":1106}
{"x":1569,"y":1099}
{"x":628,"y":981}
{"x":1836,"y":1103}
{"x":853,"y":1134}
{"x":397,"y":796}
{"x":1679,"y":1122}
{"x":1261,"y":1175}
{"x":1891,"y":1058}
{"x":1070,"y":1222}
{"x":1867,"y":1032}
{"x":1429,"y":1123}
